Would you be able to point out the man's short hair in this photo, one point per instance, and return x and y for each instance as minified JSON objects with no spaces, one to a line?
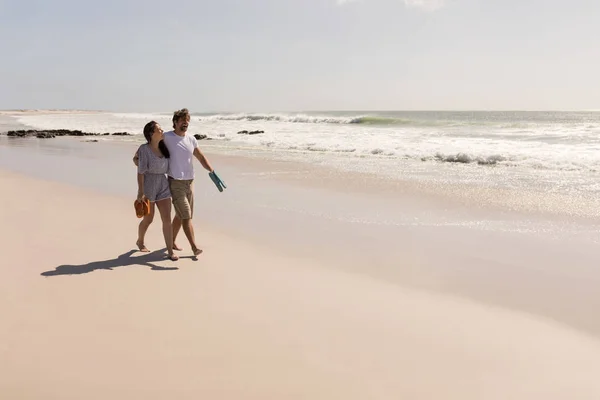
{"x":177,"y":115}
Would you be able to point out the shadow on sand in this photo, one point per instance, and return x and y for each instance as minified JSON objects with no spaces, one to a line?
{"x":123,"y":260}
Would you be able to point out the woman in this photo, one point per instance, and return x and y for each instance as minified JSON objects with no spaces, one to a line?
{"x":153,"y":184}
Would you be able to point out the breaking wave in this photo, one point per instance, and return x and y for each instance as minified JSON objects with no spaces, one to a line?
{"x":492,"y":160}
{"x":465,"y":158}
{"x":307,"y":119}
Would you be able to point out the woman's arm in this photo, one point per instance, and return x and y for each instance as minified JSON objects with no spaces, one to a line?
{"x":140,"y":181}
{"x":142,"y":167}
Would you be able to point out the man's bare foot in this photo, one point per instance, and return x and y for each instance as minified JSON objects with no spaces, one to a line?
{"x":196,"y":251}
{"x":142,"y":247}
{"x":173,"y":257}
{"x":175,"y":247}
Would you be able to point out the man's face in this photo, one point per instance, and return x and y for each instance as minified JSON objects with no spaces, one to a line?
{"x":182,"y":124}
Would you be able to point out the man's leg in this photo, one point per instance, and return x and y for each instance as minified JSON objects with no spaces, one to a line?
{"x":188,"y":229}
{"x":176,"y":228}
{"x":178,"y":195}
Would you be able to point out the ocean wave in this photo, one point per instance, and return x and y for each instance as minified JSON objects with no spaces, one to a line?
{"x":465,"y":158}
{"x":307,"y":119}
{"x":383,"y":121}
{"x":359,"y":119}
{"x":460,"y":158}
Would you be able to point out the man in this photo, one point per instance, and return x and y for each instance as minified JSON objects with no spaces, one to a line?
{"x":183,"y":147}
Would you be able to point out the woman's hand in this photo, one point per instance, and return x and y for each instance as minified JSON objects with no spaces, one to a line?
{"x":141,"y":197}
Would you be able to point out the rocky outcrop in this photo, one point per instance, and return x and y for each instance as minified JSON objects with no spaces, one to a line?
{"x":45,"y":135}
{"x":250,"y":132}
{"x":201,"y":137}
{"x":51,"y":133}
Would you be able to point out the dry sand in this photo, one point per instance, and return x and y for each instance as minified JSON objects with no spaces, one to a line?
{"x":86,"y":317}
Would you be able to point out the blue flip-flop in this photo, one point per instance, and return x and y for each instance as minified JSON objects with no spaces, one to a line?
{"x":217,"y":181}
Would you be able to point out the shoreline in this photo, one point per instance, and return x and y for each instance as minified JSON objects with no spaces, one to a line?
{"x":513,"y":203}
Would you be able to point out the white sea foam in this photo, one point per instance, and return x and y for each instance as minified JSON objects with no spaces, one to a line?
{"x":292,"y":118}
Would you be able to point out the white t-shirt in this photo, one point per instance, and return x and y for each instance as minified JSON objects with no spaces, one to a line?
{"x":181,"y":149}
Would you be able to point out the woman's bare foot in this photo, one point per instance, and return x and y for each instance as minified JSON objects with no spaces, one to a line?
{"x":173,"y":257}
{"x":196,"y":251}
{"x":175,"y":247}
{"x":142,"y":247}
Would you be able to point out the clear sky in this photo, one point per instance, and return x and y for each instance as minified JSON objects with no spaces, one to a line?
{"x":297,"y":55}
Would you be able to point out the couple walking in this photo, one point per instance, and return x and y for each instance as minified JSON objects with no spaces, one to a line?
{"x":165,"y":176}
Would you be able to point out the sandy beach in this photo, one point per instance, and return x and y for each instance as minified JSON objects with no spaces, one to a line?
{"x":261,"y":314}
{"x":410,"y":207}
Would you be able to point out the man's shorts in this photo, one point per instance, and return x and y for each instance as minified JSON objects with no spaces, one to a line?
{"x":183,"y":197}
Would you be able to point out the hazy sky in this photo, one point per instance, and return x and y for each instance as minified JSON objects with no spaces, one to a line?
{"x":278,"y":55}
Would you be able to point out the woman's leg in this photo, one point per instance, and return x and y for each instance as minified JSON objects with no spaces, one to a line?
{"x":164,"y":207}
{"x":143,"y":228}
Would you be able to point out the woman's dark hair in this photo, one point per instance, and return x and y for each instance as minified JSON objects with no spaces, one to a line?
{"x":149,"y":131}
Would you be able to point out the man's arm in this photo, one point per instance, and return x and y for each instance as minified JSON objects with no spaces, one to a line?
{"x":202,"y":158}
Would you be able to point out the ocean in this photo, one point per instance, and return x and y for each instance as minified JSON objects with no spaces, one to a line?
{"x":544,"y":151}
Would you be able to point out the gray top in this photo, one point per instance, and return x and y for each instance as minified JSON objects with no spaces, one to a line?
{"x":150,"y":163}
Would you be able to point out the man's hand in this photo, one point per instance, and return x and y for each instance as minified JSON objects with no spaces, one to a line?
{"x":136,"y":159}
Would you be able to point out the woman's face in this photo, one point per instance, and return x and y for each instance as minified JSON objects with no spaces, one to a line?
{"x":158,"y":134}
